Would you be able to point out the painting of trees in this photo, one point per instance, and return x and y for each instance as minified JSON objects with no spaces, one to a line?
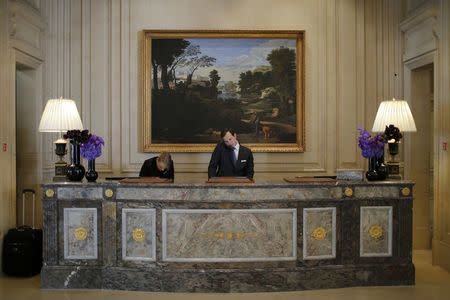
{"x":184,"y":59}
{"x":197,"y":62}
{"x":205,"y":82}
{"x":282,"y":61}
{"x":164,"y":54}
{"x":214,"y":79}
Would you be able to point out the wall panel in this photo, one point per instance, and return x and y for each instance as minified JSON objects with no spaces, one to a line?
{"x":302,"y":15}
{"x":340,"y":94}
{"x":98,"y":102}
{"x":348,"y":118}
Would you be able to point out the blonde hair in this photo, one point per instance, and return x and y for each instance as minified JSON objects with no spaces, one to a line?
{"x":165,"y":159}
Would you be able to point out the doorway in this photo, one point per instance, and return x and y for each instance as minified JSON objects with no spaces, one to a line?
{"x":422,"y":156}
{"x":27,"y":143}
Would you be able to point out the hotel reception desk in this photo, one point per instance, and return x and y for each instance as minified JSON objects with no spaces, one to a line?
{"x":227,"y":237}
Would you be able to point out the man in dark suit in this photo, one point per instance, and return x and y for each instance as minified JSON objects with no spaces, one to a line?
{"x":230,"y":158}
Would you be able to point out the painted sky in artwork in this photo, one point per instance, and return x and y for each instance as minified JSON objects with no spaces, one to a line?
{"x":234,"y":56}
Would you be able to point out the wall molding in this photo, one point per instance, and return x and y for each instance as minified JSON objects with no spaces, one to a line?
{"x":26,"y":28}
{"x":420,"y":33}
{"x":29,"y":12}
{"x":421,"y":14}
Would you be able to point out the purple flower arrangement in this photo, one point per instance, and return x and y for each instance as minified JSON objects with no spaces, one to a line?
{"x":371,"y":146}
{"x":92,"y":148}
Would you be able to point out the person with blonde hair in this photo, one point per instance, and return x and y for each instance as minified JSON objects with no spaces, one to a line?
{"x":159,"y":166}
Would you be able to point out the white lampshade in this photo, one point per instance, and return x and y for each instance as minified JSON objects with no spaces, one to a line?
{"x":394,"y":112}
{"x":60,"y":115}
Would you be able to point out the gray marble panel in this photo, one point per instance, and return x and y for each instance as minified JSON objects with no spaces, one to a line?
{"x":376,"y":231}
{"x":220,"y":235}
{"x":228,"y":193}
{"x":224,"y":281}
{"x":138,"y":234}
{"x":364,"y":192}
{"x":70,"y":277}
{"x":50,"y":235}
{"x":80,"y":193}
{"x":319,"y":233}
{"x":80,"y":233}
{"x":109,"y":232}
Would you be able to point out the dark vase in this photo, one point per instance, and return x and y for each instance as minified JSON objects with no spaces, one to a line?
{"x":91,"y":174}
{"x":75,"y":172}
{"x":372,"y":173}
{"x":382,"y":169}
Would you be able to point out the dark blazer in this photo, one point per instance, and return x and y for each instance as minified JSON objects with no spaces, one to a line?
{"x":149,"y":169}
{"x":222,"y":162}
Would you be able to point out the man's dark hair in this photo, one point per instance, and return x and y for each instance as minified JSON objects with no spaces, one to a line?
{"x":225,"y":130}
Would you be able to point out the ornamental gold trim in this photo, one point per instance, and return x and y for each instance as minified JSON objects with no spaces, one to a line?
{"x":138,"y":234}
{"x":376,"y":232}
{"x":406,"y":191}
{"x":80,"y":233}
{"x":49,"y":193}
{"x":228,"y":235}
{"x":109,"y":193}
{"x":319,"y":234}
{"x":348,"y":192}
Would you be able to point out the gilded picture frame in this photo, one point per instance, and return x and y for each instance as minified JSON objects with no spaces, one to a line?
{"x":195,"y":83}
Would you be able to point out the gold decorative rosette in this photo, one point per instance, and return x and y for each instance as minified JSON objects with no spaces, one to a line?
{"x":138,"y":234}
{"x":406,"y":191}
{"x":80,"y":233}
{"x":376,"y":232}
{"x":109,"y":193}
{"x":348,"y":192}
{"x":49,"y":193}
{"x":319,"y":233}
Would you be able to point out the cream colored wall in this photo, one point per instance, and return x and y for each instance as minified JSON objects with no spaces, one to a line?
{"x":21,"y":29}
{"x":296,"y":15}
{"x":426,"y":35}
{"x":7,"y":128}
{"x":90,"y":52}
{"x":441,"y":234}
{"x":347,"y":73}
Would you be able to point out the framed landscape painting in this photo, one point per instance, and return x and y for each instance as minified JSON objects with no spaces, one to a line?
{"x":195,"y":83}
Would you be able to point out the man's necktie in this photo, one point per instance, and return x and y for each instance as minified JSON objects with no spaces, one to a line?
{"x":234,"y":156}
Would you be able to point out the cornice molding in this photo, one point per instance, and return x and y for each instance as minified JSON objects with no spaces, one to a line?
{"x":28,"y":12}
{"x":421,"y":14}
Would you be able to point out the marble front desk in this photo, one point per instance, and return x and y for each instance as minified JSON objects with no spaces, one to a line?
{"x":227,"y":238}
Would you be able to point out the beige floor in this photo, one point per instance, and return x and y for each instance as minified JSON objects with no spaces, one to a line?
{"x":431,"y":283}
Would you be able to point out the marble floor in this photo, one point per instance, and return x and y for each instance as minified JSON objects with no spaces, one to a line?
{"x":431,"y":283}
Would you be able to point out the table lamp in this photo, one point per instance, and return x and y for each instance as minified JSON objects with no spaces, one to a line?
{"x":394,"y":113}
{"x":59,"y":116}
